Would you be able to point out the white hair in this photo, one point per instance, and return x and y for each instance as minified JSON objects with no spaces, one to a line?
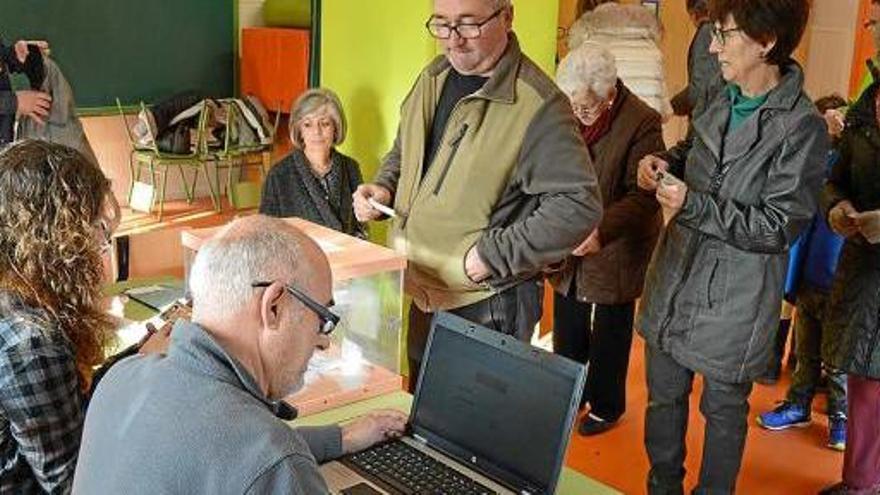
{"x":617,"y":21}
{"x":226,"y":266}
{"x":590,"y":66}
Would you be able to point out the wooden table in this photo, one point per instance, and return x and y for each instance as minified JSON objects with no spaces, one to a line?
{"x":349,"y":256}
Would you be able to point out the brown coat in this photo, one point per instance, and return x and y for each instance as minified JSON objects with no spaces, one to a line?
{"x":631,"y":222}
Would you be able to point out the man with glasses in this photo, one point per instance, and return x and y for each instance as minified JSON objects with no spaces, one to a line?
{"x":488,"y":176}
{"x":208,"y":417}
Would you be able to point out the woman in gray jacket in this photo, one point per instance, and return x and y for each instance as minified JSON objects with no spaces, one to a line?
{"x":751,"y":171}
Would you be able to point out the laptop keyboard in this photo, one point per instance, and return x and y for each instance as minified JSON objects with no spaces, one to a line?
{"x":411,"y":471}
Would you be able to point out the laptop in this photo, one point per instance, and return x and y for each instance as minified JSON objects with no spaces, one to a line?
{"x":491,"y":415}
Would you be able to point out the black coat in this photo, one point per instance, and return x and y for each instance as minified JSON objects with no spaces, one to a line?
{"x":713,"y":290}
{"x":292,"y":190}
{"x":853,"y":330}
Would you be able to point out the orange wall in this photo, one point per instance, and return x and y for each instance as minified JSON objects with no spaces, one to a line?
{"x":864,"y":48}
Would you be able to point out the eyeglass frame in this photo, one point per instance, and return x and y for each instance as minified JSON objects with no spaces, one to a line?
{"x":329,"y":319}
{"x":720,"y":34}
{"x":455,"y":27}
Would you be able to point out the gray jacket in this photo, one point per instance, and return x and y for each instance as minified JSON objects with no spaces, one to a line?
{"x":193,"y":422}
{"x":713,"y":291}
{"x":62,"y":125}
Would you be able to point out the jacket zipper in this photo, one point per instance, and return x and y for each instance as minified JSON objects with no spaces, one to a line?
{"x":454,"y":144}
{"x":715,"y":186}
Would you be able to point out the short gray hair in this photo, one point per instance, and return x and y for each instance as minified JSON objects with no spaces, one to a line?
{"x":589,"y":66}
{"x":500,"y":4}
{"x":226,"y":265}
{"x":309,"y":102}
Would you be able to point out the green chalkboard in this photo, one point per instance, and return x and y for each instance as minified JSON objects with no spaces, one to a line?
{"x":134,"y":49}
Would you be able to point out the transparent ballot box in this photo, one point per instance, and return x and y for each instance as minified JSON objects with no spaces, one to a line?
{"x":364,"y":356}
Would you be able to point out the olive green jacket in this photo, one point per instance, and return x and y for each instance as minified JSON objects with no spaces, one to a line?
{"x":511,"y":176}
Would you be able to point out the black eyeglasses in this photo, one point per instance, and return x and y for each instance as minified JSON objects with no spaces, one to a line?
{"x":329,"y":320}
{"x":466,"y":30}
{"x":722,"y":35}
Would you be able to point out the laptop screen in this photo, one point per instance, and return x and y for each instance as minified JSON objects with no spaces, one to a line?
{"x":496,"y":404}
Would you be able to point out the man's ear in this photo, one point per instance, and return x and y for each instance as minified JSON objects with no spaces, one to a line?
{"x":510,"y":19}
{"x":269,"y":305}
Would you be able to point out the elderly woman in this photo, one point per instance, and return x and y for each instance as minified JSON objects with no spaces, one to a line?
{"x":851,"y":201}
{"x":314,"y":181}
{"x":58,"y":214}
{"x":751,"y":178}
{"x":596,"y":292}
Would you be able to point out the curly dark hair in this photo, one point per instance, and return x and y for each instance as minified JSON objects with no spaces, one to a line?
{"x":51,"y":198}
{"x":766,"y":20}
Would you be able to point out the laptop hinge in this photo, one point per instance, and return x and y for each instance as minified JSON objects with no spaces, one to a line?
{"x":422,"y":440}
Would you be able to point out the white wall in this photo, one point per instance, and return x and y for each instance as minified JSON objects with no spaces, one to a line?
{"x":250,"y":13}
{"x":833,"y":31}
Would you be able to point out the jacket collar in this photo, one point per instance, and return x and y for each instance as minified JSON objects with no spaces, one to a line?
{"x":711,"y":126}
{"x":501,"y":85}
{"x":194,"y":347}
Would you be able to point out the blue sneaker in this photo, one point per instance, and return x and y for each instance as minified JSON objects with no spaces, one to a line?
{"x":837,"y":432}
{"x":786,"y":415}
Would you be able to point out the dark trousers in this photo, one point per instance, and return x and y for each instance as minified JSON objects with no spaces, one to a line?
{"x":811,"y":309}
{"x":514,"y":311}
{"x":599,"y":335}
{"x":861,"y":462}
{"x":724,"y":406}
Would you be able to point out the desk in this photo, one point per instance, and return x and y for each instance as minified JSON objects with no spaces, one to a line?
{"x":571,"y":482}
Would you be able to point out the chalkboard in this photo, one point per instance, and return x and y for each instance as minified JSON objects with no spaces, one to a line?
{"x":134,"y":49}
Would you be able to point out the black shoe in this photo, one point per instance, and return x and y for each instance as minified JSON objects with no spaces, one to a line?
{"x":593,"y":425}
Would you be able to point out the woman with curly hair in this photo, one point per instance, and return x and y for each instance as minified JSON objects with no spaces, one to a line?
{"x":56,"y":218}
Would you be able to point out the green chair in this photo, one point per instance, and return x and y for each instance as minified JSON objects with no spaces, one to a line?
{"x":158,"y":162}
{"x":235,"y":157}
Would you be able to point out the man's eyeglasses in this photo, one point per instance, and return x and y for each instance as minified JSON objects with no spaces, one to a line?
{"x":466,"y":30}
{"x":722,"y":35}
{"x":329,"y":320}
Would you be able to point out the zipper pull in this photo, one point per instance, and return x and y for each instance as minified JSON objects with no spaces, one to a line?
{"x":460,"y":135}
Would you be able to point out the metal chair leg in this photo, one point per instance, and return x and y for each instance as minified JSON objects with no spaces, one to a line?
{"x":214,"y":195}
{"x":152,"y":186}
{"x":186,"y":191}
{"x":134,"y":174}
{"x":164,"y":172}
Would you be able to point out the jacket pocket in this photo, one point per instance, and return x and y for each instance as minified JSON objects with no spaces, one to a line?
{"x":456,"y":141}
{"x":716,"y":288}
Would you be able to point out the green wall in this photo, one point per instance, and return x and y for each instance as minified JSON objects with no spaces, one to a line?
{"x":371,"y":52}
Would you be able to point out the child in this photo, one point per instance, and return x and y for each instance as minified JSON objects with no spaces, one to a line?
{"x":821,"y":248}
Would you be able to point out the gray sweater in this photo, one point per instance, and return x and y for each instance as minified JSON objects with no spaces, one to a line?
{"x":194,"y":422}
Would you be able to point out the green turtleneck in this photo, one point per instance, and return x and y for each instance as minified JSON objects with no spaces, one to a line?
{"x":741,"y":106}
